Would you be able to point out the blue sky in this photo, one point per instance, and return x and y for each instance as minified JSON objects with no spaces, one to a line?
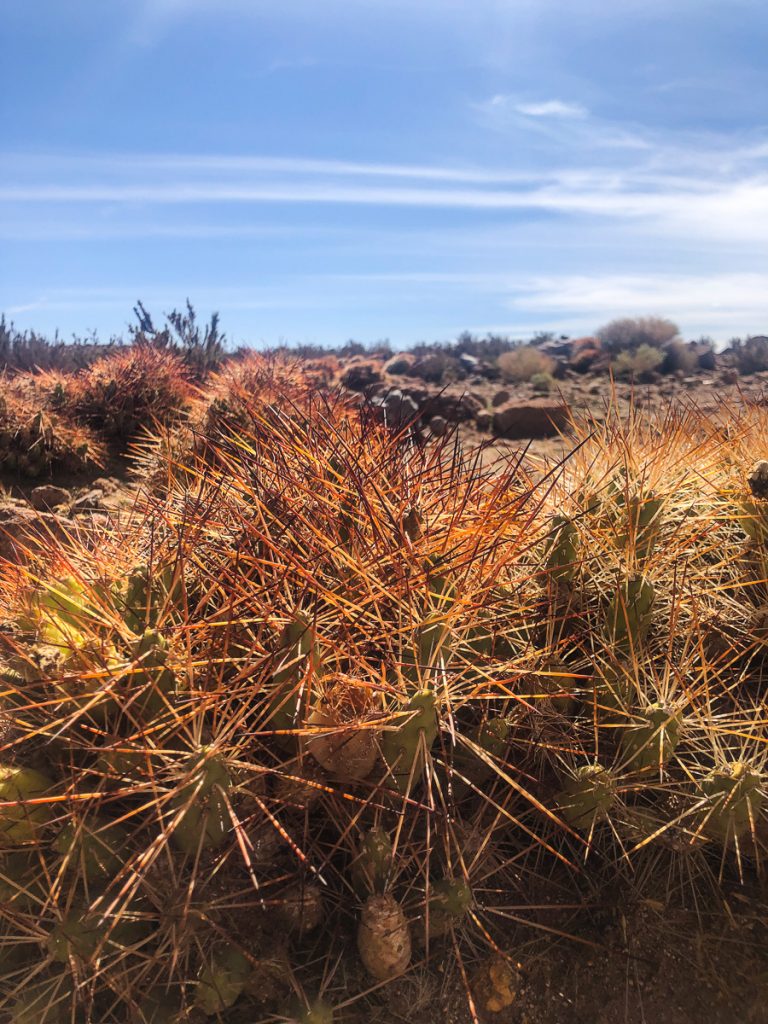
{"x":324,"y":169}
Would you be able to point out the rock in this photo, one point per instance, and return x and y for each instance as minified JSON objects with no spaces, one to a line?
{"x":400,"y":365}
{"x":483,"y":420}
{"x":758,"y":479}
{"x":455,"y":408}
{"x":584,"y":353}
{"x":530,"y":418}
{"x":48,"y":496}
{"x":396,"y":408}
{"x":360,"y":376}
{"x":729,"y":376}
{"x":500,"y":398}
{"x":438,"y":425}
{"x":22,"y":528}
{"x":91,"y":501}
{"x":469,"y":363}
{"x":430,"y":368}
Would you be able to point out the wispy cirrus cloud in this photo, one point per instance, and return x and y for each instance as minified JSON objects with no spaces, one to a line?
{"x":548,"y":108}
{"x":716,"y":207}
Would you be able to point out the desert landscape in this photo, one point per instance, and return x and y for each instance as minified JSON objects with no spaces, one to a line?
{"x":367,"y":686}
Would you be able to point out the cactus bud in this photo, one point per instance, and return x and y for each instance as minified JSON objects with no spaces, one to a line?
{"x":383,"y":938}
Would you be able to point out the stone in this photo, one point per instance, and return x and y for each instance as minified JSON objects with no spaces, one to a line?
{"x":729,"y":376}
{"x":483,"y":420}
{"x":438,"y":425}
{"x":23,"y":529}
{"x":91,"y":501}
{"x":395,"y":408}
{"x":430,"y":368}
{"x":360,"y":376}
{"x":455,"y":408}
{"x":530,"y":418}
{"x":500,"y":398}
{"x":400,"y":365}
{"x":48,"y":496}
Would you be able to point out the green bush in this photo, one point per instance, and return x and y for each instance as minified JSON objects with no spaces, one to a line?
{"x":542,"y":382}
{"x":637,"y":363}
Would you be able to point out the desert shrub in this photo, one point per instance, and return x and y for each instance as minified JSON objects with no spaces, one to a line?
{"x":523,"y":362}
{"x":751,"y":355}
{"x":22,"y":351}
{"x":632,"y":332}
{"x":637,"y":362}
{"x":543,"y":382}
{"x":202,"y":349}
{"x":135,"y":388}
{"x":680,"y":357}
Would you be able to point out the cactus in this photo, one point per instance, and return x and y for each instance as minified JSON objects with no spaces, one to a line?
{"x":383,"y":938}
{"x":449,"y":902}
{"x":23,"y":812}
{"x":630,"y":612}
{"x":733,"y":800}
{"x":404,"y":748}
{"x":222,"y":980}
{"x":373,"y":864}
{"x":96,"y":850}
{"x":295,"y":650}
{"x":587,"y":796}
{"x":651,"y":743}
{"x":562,"y":552}
{"x":205,"y":821}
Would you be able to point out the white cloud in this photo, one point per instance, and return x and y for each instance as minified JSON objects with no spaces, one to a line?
{"x":552,"y":108}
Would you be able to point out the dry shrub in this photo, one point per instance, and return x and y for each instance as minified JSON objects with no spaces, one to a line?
{"x":633,"y":332}
{"x":520,"y":364}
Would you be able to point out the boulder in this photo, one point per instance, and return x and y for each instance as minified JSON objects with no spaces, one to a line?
{"x":431,"y":368}
{"x":438,"y":426}
{"x":455,"y":408}
{"x":48,"y":496}
{"x":23,"y":529}
{"x":584,"y":353}
{"x":483,"y":420}
{"x":395,"y":408}
{"x":530,"y":418}
{"x":500,"y":398}
{"x":91,"y":501}
{"x":400,"y":365}
{"x":360,"y":376}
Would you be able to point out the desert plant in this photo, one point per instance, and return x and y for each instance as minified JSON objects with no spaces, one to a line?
{"x":201,"y":349}
{"x":329,"y":686}
{"x":122,"y":393}
{"x":523,"y":363}
{"x":639,"y":362}
{"x":633,"y":332}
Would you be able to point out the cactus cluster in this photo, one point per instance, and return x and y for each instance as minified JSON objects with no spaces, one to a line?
{"x":36,"y":441}
{"x":334,"y":702}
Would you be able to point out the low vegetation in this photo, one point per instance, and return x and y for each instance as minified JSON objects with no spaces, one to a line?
{"x":328,"y":703}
